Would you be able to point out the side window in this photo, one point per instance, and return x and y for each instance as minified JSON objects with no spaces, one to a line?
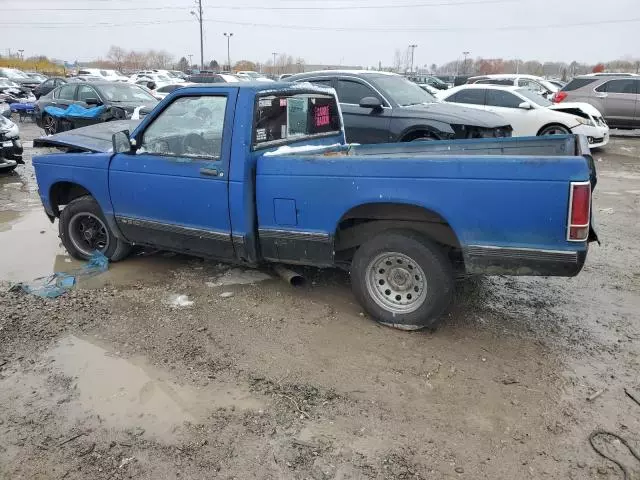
{"x":619,"y":86}
{"x":189,"y":127}
{"x":500,"y":98}
{"x":532,"y":85}
{"x":352,"y":92}
{"x":49,"y":84}
{"x":471,"y":96}
{"x":323,"y":83}
{"x":85,"y":91}
{"x":66,"y":92}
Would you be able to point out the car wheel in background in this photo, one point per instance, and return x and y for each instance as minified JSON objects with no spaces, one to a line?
{"x":49,"y":124}
{"x":554,"y":129}
{"x":402,"y":279}
{"x":84,"y":230}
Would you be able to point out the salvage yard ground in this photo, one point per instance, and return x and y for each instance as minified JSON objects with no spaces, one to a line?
{"x":171,"y":367}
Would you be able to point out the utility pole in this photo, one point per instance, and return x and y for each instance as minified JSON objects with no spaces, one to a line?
{"x":274,"y":62}
{"x":228,"y":35}
{"x":190,"y":61}
{"x":198,"y":16}
{"x":464,"y":65}
{"x":21,"y":52}
{"x":413,"y":49}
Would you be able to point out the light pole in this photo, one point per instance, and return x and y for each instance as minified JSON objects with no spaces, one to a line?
{"x":413,"y":49}
{"x":198,"y":16}
{"x":21,"y":52}
{"x":464,"y":65}
{"x":190,"y":61}
{"x":274,"y":62}
{"x":228,"y":35}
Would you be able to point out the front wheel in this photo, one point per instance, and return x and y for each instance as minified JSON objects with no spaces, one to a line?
{"x":554,"y":130}
{"x":84,"y":230}
{"x":402,"y":279}
{"x":49,"y":124}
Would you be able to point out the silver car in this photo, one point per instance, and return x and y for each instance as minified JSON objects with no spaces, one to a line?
{"x":616,"y":96}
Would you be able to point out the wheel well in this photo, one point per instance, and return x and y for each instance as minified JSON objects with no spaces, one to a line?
{"x":365,"y":221}
{"x":62,"y":193}
{"x":553,"y":124}
{"x":420,"y":133}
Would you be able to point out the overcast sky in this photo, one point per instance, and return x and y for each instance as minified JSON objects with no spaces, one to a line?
{"x":442,"y":29}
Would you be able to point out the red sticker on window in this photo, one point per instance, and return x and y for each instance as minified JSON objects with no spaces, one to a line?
{"x":283,"y":102}
{"x":321,"y":115}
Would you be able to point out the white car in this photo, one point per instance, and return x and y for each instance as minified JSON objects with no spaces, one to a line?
{"x":162,"y":92}
{"x":536,"y":84}
{"x":105,"y":74}
{"x":531,"y":114}
{"x":253,"y":76}
{"x":159,"y":79}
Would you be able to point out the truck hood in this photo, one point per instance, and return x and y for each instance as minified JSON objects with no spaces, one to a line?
{"x":452,"y":114}
{"x":94,"y":138}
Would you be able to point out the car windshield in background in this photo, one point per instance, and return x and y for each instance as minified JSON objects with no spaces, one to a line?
{"x":403,"y":91}
{"x":12,"y":74}
{"x":121,"y":92}
{"x":534,"y":97}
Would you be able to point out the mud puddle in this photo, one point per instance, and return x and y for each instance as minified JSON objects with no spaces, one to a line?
{"x":121,"y":393}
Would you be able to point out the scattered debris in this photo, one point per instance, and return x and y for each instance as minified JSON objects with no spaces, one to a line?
{"x":126,"y":461}
{"x":591,"y":398}
{"x":633,"y":396}
{"x":226,"y":294}
{"x":60,"y":283}
{"x":71,"y":439}
{"x":459,"y":470}
{"x":608,"y":211}
{"x":238,"y":276}
{"x":180,"y":301}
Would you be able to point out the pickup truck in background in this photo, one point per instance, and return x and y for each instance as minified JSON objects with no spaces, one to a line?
{"x":260,"y":173}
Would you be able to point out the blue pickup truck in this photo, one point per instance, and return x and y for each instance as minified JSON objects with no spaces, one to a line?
{"x":261,"y":173}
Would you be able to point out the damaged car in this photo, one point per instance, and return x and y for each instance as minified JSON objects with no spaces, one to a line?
{"x":382,"y":107}
{"x":531,"y":114}
{"x":10,"y":145}
{"x":75,"y":105}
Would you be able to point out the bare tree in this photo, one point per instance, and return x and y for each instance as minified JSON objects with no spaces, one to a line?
{"x":117,"y":56}
{"x":397,"y":61}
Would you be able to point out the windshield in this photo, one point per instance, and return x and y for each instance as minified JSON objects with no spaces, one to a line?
{"x":121,"y":92}
{"x":534,"y":97}
{"x":402,"y":91}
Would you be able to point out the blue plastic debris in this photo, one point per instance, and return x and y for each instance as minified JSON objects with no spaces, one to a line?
{"x":60,"y":283}
{"x":75,"y":111}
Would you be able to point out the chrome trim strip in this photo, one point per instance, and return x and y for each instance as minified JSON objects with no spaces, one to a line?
{"x":521,"y":253}
{"x":293,"y":235}
{"x":178,"y":229}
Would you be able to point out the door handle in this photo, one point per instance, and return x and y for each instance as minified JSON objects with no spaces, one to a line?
{"x":210,"y":172}
{"x":601,"y":95}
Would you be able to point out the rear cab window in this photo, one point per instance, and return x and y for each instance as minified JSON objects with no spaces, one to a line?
{"x":281,"y":118}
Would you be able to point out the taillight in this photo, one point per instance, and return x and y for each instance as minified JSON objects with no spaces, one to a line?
{"x":559,"y":96}
{"x":579,"y":212}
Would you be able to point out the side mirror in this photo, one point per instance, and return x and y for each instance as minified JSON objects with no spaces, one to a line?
{"x":121,"y":142}
{"x":92,"y":101}
{"x":151,"y":85}
{"x":525,"y":106}
{"x":371,"y":102}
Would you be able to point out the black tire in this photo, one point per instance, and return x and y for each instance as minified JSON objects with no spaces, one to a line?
{"x":49,"y":124}
{"x":554,"y":129}
{"x":427,"y":257}
{"x":114,"y":248}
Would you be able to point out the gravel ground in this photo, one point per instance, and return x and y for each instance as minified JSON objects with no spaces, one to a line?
{"x":255,"y":379}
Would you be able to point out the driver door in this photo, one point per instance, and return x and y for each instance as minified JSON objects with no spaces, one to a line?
{"x":173,"y":192}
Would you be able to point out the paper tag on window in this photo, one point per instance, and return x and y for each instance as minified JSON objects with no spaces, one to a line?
{"x":264,"y":102}
{"x":261,"y":134}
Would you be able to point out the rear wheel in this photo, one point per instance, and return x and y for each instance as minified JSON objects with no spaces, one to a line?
{"x":402,"y":279}
{"x":49,"y":124}
{"x":84,"y":230}
{"x":554,"y":130}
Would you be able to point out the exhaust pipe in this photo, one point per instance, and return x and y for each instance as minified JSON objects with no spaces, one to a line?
{"x":289,"y":276}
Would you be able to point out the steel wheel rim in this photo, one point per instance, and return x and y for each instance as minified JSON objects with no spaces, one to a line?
{"x":49,"y":125}
{"x":396,"y":282}
{"x":88,"y":233}
{"x":554,"y":131}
